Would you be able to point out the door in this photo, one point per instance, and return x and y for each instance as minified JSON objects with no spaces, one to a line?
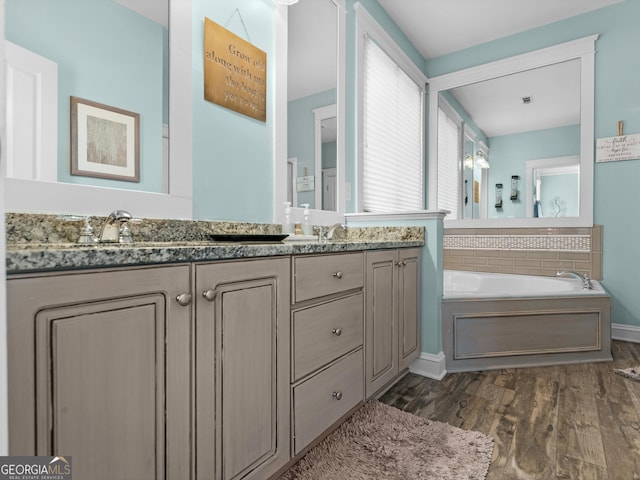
{"x":408,"y":306}
{"x":381,"y":335}
{"x":329,"y":187}
{"x":242,"y":368}
{"x":32,"y":114}
{"x":99,"y":371}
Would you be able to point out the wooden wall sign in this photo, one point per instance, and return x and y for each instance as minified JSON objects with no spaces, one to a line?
{"x":235,"y":72}
{"x":614,"y":149}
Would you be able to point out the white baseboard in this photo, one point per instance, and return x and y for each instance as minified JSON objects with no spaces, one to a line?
{"x":429,"y":365}
{"x":628,"y":333}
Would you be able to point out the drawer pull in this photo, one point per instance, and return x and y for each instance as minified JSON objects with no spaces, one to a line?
{"x":184,"y":299}
{"x":337,"y":332}
{"x":337,"y":275}
{"x":337,"y":395}
{"x":209,"y":295}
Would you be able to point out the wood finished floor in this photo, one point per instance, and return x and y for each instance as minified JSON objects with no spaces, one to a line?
{"x":577,"y":422}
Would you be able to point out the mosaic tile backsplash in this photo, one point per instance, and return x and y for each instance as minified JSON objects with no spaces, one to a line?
{"x":525,"y":251}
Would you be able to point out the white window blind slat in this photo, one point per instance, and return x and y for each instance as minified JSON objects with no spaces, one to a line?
{"x":393,"y":164}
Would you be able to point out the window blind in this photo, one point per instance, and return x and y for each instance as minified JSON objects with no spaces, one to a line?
{"x":392,"y":160}
{"x":449,"y":188}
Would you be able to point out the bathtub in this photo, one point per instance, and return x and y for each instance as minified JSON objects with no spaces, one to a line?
{"x":494,"y":321}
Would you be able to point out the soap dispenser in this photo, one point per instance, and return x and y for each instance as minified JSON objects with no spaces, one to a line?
{"x":307,"y":228}
{"x":287,"y":222}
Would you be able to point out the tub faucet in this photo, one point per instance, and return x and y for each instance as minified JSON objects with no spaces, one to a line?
{"x":584,"y":279}
{"x":115,"y":228}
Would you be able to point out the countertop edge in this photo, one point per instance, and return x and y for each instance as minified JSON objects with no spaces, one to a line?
{"x":23,"y":260}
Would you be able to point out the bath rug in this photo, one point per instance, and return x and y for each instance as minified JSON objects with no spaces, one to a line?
{"x":633,"y":373}
{"x":382,"y":442}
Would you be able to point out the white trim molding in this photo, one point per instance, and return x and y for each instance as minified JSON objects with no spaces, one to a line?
{"x":429,"y":365}
{"x":583,"y":49}
{"x":399,"y":216}
{"x":627,"y":333}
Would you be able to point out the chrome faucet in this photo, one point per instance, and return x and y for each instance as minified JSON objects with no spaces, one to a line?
{"x":115,"y":228}
{"x":332,"y":230}
{"x":584,"y":279}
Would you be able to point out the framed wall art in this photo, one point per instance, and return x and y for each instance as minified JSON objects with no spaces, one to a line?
{"x":105,"y":141}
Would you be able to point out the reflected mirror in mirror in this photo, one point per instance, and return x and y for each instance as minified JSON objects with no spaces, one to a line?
{"x":312,"y":96}
{"x":553,"y":187}
{"x":114,"y":52}
{"x":530,"y":115}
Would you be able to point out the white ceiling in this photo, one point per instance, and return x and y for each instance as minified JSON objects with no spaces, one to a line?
{"x":496,"y":106}
{"x":313,"y":47}
{"x":438,"y":27}
{"x":156,"y":10}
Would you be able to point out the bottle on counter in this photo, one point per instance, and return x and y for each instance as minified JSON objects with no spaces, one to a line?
{"x":287,"y":222}
{"x":307,"y":227}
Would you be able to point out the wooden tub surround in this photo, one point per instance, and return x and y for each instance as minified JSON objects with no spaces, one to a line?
{"x":488,"y":332}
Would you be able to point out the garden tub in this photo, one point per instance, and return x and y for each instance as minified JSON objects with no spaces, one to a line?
{"x":503,"y":321}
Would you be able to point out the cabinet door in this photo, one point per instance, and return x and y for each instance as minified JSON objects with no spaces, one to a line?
{"x":99,"y":370}
{"x":381,"y":335}
{"x":409,"y":306}
{"x":242,"y":368}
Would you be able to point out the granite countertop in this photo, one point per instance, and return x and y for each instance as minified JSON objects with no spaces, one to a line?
{"x":37,"y":243}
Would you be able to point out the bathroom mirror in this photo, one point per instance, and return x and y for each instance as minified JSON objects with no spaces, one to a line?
{"x":569,"y":69}
{"x":553,"y":187}
{"x":312,"y":80}
{"x":164,"y":189}
{"x":310,"y":153}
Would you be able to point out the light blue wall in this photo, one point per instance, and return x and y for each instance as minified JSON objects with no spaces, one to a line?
{"x":617,"y":97}
{"x":301,"y":135}
{"x":508,"y":155}
{"x":107,"y":54}
{"x":559,"y":195}
{"x":232,"y":153}
{"x":480,"y":135}
{"x":329,"y":154}
{"x":430,"y":275}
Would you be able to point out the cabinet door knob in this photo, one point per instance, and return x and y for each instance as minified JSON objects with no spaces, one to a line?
{"x":337,"y":395}
{"x":184,"y":299}
{"x":337,"y":274}
{"x":209,"y":295}
{"x":337,"y":332}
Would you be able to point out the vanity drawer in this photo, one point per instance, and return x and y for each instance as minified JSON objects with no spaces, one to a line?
{"x":321,"y":275}
{"x":324,"y":332}
{"x":325,"y":398}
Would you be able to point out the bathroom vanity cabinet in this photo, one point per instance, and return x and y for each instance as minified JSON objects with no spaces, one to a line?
{"x":391,"y":315}
{"x":327,"y":342}
{"x":242,"y":402}
{"x":222,"y":369}
{"x":99,"y":369}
